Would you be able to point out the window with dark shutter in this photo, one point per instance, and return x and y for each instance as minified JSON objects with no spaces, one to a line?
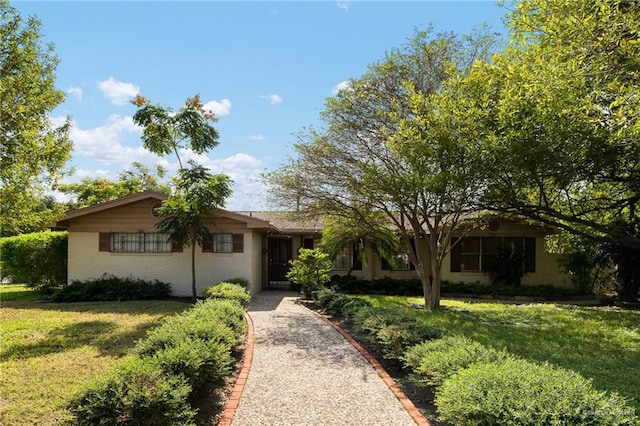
{"x":207,"y":244}
{"x":104,"y":243}
{"x":357,"y":262}
{"x":238,"y":243}
{"x":529,"y":254}
{"x":176,"y":247}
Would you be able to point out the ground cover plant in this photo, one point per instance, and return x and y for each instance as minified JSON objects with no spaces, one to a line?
{"x":601,"y":344}
{"x":50,"y":349}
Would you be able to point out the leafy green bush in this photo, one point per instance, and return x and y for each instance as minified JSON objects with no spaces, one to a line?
{"x":432,"y":362}
{"x":198,"y":361}
{"x":109,"y":287}
{"x":228,"y":290}
{"x":392,"y":330}
{"x":310,"y":270}
{"x":38,"y":259}
{"x":518,"y":392}
{"x":135,"y":393}
{"x":227,"y":312}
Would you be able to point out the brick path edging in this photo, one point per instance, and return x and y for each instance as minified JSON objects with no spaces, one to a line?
{"x":388,"y":380}
{"x":241,"y":380}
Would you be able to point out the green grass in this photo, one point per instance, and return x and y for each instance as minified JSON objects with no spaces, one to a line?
{"x":602,"y":344}
{"x":48,"y":350}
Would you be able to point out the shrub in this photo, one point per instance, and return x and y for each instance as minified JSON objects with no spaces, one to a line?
{"x":196,"y":360}
{"x":518,"y":392}
{"x":38,"y":259}
{"x":135,"y":393}
{"x":242,"y":282}
{"x":432,"y":362}
{"x":310,"y":270}
{"x":392,"y":330}
{"x":180,"y":327}
{"x":228,"y":290}
{"x":228,"y":312}
{"x":110,"y":287}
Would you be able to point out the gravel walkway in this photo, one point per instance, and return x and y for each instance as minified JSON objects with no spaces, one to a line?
{"x":304,"y":373}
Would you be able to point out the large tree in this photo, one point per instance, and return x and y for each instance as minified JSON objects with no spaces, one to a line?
{"x":92,"y":191}
{"x":189,"y":212}
{"x":378,"y":155}
{"x":557,"y":115}
{"x":33,"y":151}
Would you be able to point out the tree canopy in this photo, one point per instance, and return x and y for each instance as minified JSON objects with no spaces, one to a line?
{"x":33,"y":151}
{"x":383,"y":156}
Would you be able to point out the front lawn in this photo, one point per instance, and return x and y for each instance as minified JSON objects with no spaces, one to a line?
{"x":602,"y":344}
{"x":49,"y":350}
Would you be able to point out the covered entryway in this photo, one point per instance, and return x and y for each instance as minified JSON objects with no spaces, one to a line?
{"x":279,"y":255}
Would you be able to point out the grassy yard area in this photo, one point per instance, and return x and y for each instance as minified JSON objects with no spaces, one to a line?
{"x":48,"y":350}
{"x":602,"y":344}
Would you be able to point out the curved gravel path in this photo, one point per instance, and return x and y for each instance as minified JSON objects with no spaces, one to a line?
{"x":304,"y":372}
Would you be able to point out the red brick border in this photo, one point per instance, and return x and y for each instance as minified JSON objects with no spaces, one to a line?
{"x":404,"y":400}
{"x":241,"y":380}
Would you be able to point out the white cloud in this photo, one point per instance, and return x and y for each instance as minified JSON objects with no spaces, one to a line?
{"x":344,"y":5}
{"x":273,"y":98}
{"x":104,"y":144}
{"x":75,"y":91}
{"x":343,"y":85}
{"x":118,"y":92}
{"x":219,"y":108}
{"x":257,"y":138}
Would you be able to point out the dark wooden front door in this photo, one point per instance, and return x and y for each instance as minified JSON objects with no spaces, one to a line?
{"x":279,"y":256}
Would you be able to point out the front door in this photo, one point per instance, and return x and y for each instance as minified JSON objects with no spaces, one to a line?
{"x":279,"y":256}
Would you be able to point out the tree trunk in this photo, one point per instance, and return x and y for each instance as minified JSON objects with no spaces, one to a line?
{"x":193,"y":272}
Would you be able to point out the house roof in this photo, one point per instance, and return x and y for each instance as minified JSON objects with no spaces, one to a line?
{"x":251,"y":222}
{"x":286,"y":223}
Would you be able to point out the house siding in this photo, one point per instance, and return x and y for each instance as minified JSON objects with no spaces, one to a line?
{"x":86,"y":262}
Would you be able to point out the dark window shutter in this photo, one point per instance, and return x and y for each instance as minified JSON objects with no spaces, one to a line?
{"x":357,"y":262}
{"x":456,"y":255}
{"x":207,"y":244}
{"x":384,"y":264}
{"x":104,"y":242}
{"x":238,"y":243}
{"x":529,"y":254}
{"x":307,"y":243}
{"x":412,"y":267}
{"x":176,"y":247}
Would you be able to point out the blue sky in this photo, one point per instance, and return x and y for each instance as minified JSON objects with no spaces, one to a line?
{"x":265,"y":68}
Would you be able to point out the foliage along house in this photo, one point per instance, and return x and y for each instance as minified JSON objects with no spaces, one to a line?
{"x":120,"y":238}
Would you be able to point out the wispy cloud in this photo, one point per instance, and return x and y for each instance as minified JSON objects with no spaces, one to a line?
{"x":273,"y":98}
{"x":118,"y":92}
{"x":257,"y":138}
{"x":343,"y":85}
{"x":344,"y":5}
{"x":219,"y":108}
{"x":75,"y":91}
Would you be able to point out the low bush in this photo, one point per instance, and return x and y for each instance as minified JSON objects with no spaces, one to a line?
{"x":432,"y":362}
{"x":109,"y":287}
{"x":135,"y":393}
{"x":198,"y":361}
{"x":229,"y":291}
{"x":392,"y":330}
{"x":228,"y":312}
{"x":38,"y":259}
{"x":518,"y":392}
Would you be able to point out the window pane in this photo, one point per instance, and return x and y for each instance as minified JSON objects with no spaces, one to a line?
{"x":344,"y":258}
{"x":222,"y":243}
{"x":402,"y":262}
{"x":470,"y":245}
{"x":157,"y":243}
{"x":470,"y":263}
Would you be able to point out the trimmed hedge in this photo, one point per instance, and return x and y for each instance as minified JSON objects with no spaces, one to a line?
{"x":519,"y":392}
{"x":228,"y":290}
{"x":168,"y":368}
{"x":136,"y":393}
{"x":38,"y":259}
{"x":432,"y":362}
{"x":112,"y":288}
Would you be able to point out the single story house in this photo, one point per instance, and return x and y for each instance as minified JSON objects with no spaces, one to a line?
{"x":120,"y":238}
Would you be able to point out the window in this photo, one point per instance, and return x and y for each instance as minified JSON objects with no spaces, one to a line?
{"x":139,"y":242}
{"x":478,"y":254}
{"x":402,"y":263}
{"x":223,"y":243}
{"x":346,"y":259}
